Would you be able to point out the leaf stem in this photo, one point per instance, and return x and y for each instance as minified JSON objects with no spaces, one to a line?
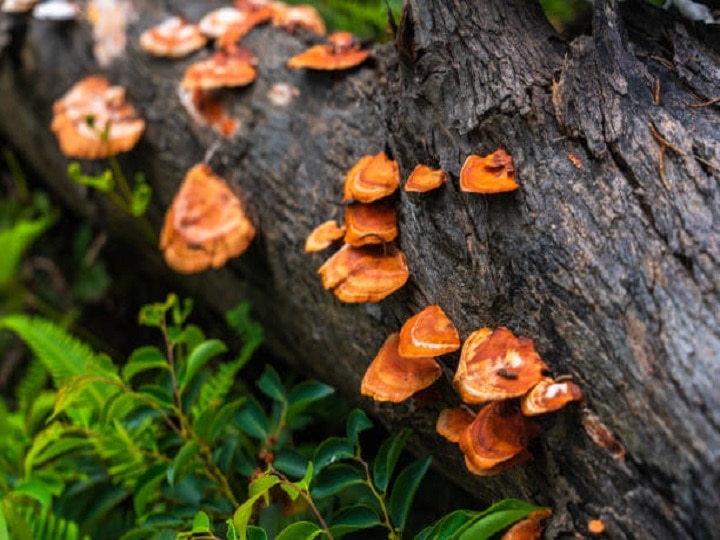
{"x":308,"y":499}
{"x":387,"y":522}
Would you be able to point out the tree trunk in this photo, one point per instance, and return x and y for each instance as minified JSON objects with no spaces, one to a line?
{"x":610,"y":265}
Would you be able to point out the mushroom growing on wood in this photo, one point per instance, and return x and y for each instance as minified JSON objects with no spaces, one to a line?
{"x":495,"y":365}
{"x":205,"y":225}
{"x":529,"y":528}
{"x":206,"y":108}
{"x":301,"y":16}
{"x":341,"y":52}
{"x":323,"y":236}
{"x":549,"y":395}
{"x":451,"y":423}
{"x":499,"y":434}
{"x":374,"y":223}
{"x":371,"y":178}
{"x":223,"y":69}
{"x":93,"y":121}
{"x":424,"y":178}
{"x":366,"y":274}
{"x":493,"y":173}
{"x":428,"y":333}
{"x":390,"y":377}
{"x":219,"y":21}
{"x":57,"y":11}
{"x":173,"y":38}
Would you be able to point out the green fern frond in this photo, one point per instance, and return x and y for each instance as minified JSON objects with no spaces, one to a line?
{"x":16,"y":239}
{"x":32,"y":383}
{"x":47,"y":526}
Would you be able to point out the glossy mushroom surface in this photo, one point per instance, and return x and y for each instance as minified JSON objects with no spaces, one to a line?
{"x":490,"y":174}
{"x":429,"y":332}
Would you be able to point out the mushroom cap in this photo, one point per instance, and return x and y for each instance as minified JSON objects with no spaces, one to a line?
{"x":494,"y":365}
{"x":390,"y":377}
{"x":57,"y":10}
{"x":493,"y":173}
{"x":218,"y":21}
{"x":223,"y":69}
{"x":374,"y":223}
{"x":371,"y":178}
{"x":172,"y":38}
{"x":528,"y":528}
{"x":429,"y":332}
{"x":93,"y":121}
{"x":18,"y":6}
{"x":595,"y":526}
{"x":206,"y":109}
{"x":205,"y":224}
{"x":498,"y":433}
{"x":323,"y":236}
{"x":303,"y":16}
{"x":366,"y":274}
{"x":451,"y":423}
{"x":339,"y":53}
{"x":424,"y":178}
{"x":549,"y":395}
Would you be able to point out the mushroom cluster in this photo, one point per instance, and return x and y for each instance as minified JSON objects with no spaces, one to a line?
{"x":496,"y":369}
{"x":368,"y":267}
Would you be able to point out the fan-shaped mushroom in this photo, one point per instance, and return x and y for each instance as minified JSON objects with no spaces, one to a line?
{"x":549,"y":395}
{"x":494,"y":365}
{"x":451,"y":423}
{"x":429,"y":332}
{"x":205,"y":225}
{"x":300,"y":16}
{"x":323,"y":236}
{"x":93,"y":121}
{"x":340,"y":53}
{"x":172,"y":38}
{"x":371,"y":178}
{"x":223,"y":69}
{"x":424,"y":178}
{"x":493,"y":173}
{"x":390,"y":377}
{"x":374,"y":223}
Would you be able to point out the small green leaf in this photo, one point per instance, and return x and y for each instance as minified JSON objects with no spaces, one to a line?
{"x":102,"y":182}
{"x":201,"y":523}
{"x":300,"y":530}
{"x":271,"y":385}
{"x":404,"y":489}
{"x":142,"y":193}
{"x":179,"y":465}
{"x":242,"y":514}
{"x":494,"y":519}
{"x":290,"y":462}
{"x":387,"y":458}
{"x":252,"y":420}
{"x":153,"y":315}
{"x":330,"y":451}
{"x":159,"y":395}
{"x":334,"y":479}
{"x":446,"y":526}
{"x":353,"y":519}
{"x":304,"y":394}
{"x":39,"y":489}
{"x":199,"y":356}
{"x":181,"y":311}
{"x":220,"y":419}
{"x":253,"y":533}
{"x":146,"y":485}
{"x":357,"y":422}
{"x":143,"y":359}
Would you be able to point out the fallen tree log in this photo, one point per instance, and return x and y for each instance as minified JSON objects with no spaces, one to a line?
{"x":607,"y":256}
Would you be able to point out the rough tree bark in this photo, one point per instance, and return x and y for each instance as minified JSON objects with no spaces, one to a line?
{"x":612,"y":268}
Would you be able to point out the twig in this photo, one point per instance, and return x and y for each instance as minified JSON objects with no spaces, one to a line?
{"x":656,"y":92}
{"x":664,"y":144}
{"x":707,"y":103}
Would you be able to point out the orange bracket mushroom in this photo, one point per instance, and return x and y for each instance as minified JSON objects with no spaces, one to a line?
{"x":371,"y":178}
{"x":529,"y":528}
{"x":341,"y":52}
{"x":323,"y":236}
{"x":424,"y":178}
{"x":205,"y":224}
{"x":366,"y":274}
{"x":493,"y":173}
{"x":495,"y":365}
{"x":301,"y":16}
{"x":429,"y":332}
{"x":173,"y":38}
{"x":374,"y":223}
{"x":93,"y":121}
{"x":451,"y":423}
{"x":390,"y":377}
{"x":223,"y":69}
{"x":497,"y":439}
{"x":549,"y":395}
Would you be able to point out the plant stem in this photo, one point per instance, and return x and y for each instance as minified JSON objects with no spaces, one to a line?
{"x":216,"y":473}
{"x":386,"y":516}
{"x":308,"y":499}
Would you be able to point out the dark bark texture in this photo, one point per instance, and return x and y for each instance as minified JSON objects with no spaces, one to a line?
{"x":612,"y":268}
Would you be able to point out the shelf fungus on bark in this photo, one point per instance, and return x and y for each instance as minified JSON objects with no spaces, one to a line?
{"x":323,"y":236}
{"x":493,"y":173}
{"x":341,"y":52}
{"x":223,"y":69}
{"x":497,"y":439}
{"x":93,"y":120}
{"x":391,"y":377}
{"x":366,"y":274}
{"x":452,"y":422}
{"x":371,"y":178}
{"x":373,"y":223}
{"x":205,"y":225}
{"x":58,"y":11}
{"x":495,"y":365}
{"x":424,"y":178}
{"x":300,"y":16}
{"x":529,"y":528}
{"x":550,"y":395}
{"x":172,"y":38}
{"x":206,"y":108}
{"x":220,"y":21}
{"x":428,"y":333}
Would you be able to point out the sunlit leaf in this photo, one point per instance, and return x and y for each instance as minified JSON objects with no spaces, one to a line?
{"x":143,"y":359}
{"x":199,"y":356}
{"x":300,"y":530}
{"x":201,"y":523}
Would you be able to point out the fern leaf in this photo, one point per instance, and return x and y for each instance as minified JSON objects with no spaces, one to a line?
{"x":15,"y":240}
{"x":32,"y":384}
{"x":47,"y":526}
